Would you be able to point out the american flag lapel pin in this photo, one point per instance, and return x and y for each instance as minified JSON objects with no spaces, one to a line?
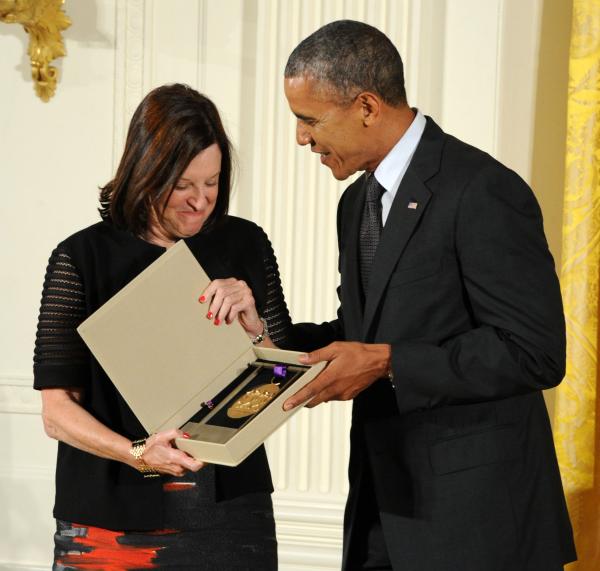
{"x":413,"y":205}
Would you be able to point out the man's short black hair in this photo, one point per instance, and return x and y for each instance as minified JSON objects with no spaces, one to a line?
{"x":351,"y":57}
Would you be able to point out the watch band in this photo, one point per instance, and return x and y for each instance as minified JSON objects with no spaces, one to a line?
{"x":137,"y":450}
{"x":261,"y":336}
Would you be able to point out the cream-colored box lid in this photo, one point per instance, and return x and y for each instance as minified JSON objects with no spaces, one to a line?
{"x":155,"y":343}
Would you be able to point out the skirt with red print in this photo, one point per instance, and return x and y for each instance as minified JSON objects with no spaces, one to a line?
{"x":199,"y":534}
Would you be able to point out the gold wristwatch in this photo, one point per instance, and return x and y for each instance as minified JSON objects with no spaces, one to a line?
{"x":137,"y":451}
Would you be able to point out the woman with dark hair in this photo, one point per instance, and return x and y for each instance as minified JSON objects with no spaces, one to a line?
{"x":125,"y":500}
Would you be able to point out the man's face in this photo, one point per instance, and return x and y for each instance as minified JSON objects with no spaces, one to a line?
{"x":336,"y":132}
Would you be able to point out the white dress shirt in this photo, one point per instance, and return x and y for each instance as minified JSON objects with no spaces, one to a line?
{"x":392,"y":168}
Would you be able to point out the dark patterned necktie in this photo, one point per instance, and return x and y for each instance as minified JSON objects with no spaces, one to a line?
{"x":370,"y":228}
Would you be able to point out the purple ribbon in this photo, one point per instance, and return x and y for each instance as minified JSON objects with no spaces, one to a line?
{"x":280,"y":371}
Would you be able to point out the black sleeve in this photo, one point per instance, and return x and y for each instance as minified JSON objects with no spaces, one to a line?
{"x":61,"y":358}
{"x":517,"y":344}
{"x":275,"y":311}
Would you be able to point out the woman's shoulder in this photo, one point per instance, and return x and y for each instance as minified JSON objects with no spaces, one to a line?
{"x":240,"y":239}
{"x":242,"y":225}
{"x":89,"y":232}
{"x":236,"y":228}
{"x":82,"y":236}
{"x":101,"y":239}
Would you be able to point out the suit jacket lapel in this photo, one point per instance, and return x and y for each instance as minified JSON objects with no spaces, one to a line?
{"x":399,"y":227}
{"x":403,"y":217}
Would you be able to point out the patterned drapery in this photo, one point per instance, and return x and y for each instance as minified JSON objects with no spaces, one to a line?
{"x":577,"y":411}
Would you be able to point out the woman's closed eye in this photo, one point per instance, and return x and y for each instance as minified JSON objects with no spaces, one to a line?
{"x":183,"y":185}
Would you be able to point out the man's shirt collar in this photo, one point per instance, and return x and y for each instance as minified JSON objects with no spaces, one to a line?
{"x":392,"y":168}
{"x":390,"y":171}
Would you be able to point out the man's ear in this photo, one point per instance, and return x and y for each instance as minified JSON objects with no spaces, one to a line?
{"x":370,"y":107}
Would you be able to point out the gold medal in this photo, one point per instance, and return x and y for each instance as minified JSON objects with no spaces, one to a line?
{"x":253,"y":401}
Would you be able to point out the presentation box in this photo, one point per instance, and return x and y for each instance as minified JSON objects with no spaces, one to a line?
{"x":176,"y":369}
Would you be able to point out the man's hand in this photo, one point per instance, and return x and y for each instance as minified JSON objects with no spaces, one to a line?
{"x":352,"y":368}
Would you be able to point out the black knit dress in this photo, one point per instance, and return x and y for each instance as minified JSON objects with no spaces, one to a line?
{"x":108,"y":516}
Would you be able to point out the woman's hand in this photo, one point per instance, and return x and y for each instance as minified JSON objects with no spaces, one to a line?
{"x":161,"y":454}
{"x":66,"y":420}
{"x":230,"y":298}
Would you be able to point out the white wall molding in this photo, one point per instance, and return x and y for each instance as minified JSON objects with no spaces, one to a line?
{"x":308,"y":532}
{"x":26,"y":496}
{"x":309,"y":455}
{"x":16,"y":379}
{"x":27,"y":472}
{"x":423,"y":55}
{"x":11,"y":566}
{"x":519,"y":41}
{"x":128,"y":70}
{"x":201,"y":43}
{"x":17,"y":395}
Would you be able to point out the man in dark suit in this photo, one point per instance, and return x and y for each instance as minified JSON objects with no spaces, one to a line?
{"x":450,"y":326}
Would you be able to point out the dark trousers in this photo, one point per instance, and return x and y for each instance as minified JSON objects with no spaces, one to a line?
{"x":368,"y":551}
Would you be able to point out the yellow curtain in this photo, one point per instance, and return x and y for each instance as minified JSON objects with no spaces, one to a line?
{"x":577,"y":409}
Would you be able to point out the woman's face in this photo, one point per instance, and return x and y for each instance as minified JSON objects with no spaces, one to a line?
{"x":192,"y":201}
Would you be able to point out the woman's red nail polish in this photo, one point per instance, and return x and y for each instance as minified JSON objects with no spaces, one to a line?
{"x":217,"y":321}
{"x":201,"y":299}
{"x":209,"y":315}
{"x":186,"y":435}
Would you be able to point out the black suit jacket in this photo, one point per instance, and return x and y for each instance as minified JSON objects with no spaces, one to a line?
{"x":458,"y":456}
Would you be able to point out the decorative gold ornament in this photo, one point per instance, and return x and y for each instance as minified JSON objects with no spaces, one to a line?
{"x":253,"y":401}
{"x":43,"y":20}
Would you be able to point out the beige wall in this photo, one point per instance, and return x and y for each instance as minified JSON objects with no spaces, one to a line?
{"x":550,"y":130}
{"x":472,"y":65}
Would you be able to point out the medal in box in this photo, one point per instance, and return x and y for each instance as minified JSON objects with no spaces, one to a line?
{"x":175,"y":369}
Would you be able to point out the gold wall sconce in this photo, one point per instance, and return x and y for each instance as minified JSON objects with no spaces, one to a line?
{"x":43,"y":20}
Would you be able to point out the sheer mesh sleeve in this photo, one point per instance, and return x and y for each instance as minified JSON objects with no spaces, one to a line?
{"x":275,"y":312}
{"x":60,"y":356}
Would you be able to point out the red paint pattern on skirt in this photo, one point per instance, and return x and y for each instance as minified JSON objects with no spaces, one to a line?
{"x":109,"y":555}
{"x":178,"y":486}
